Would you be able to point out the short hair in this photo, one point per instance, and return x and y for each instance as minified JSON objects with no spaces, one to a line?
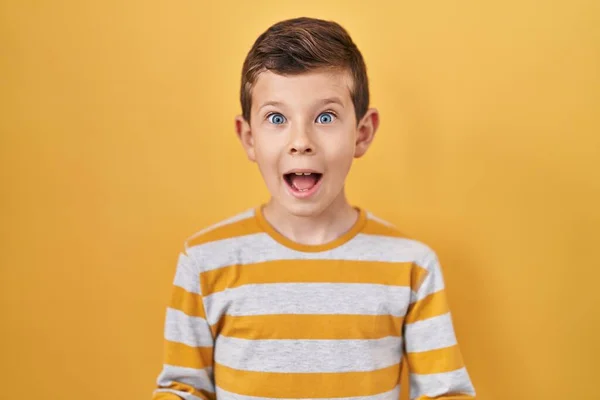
{"x":300,"y":45}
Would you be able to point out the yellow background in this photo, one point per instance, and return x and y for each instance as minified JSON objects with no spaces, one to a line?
{"x":117,"y":142}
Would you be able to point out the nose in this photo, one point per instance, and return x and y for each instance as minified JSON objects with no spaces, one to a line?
{"x":301,"y":143}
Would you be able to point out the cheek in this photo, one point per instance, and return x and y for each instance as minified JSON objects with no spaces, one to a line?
{"x":267,"y":158}
{"x":341,"y":157}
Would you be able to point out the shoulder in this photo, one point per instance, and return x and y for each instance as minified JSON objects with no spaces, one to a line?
{"x":240,"y":224}
{"x":210,"y":245}
{"x":386,"y":238}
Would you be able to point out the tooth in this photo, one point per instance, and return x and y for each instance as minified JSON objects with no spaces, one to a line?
{"x":307,"y":173}
{"x":298,"y":173}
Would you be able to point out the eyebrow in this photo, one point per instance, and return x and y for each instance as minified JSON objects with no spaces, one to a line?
{"x":329,"y":100}
{"x":270,"y":103}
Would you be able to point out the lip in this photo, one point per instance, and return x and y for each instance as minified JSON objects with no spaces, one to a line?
{"x":293,"y":171}
{"x":308,"y":193}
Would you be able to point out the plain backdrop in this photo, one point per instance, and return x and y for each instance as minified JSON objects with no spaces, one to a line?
{"x":117,"y":142}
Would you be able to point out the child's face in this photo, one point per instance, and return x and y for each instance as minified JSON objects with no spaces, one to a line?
{"x":304,"y":136}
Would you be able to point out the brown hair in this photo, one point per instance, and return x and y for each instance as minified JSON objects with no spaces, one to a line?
{"x":303,"y":44}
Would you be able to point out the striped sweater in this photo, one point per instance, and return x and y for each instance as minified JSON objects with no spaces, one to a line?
{"x":255,"y":315}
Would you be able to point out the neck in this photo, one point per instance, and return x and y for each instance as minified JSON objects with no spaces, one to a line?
{"x":325,"y":227}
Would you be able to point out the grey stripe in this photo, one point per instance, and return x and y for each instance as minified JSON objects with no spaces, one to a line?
{"x":261,"y":247}
{"x":434,"y":281}
{"x":183,"y":395}
{"x":308,"y":298}
{"x":187,"y":274}
{"x":239,"y":217}
{"x":304,"y":356}
{"x":375,"y":218}
{"x":430,"y":334}
{"x":393,"y":394}
{"x":201,"y":379}
{"x":181,"y":328}
{"x":433,"y":385}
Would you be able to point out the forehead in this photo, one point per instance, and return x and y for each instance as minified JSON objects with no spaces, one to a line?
{"x":304,"y":89}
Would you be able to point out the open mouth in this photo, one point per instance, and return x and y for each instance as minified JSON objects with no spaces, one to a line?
{"x":302,"y":182}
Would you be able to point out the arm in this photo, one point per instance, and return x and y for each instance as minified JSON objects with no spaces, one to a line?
{"x":188,"y":352}
{"x":435,"y":363}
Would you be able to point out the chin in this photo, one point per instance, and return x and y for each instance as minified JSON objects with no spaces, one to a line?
{"x":304,"y":209}
{"x":308,"y":207}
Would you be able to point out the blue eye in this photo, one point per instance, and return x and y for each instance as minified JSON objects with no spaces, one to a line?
{"x":276,"y":119}
{"x":325,"y":118}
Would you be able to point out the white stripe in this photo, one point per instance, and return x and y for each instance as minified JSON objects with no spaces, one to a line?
{"x":430,"y":334}
{"x":260,"y":247}
{"x":201,"y":379}
{"x":308,"y":356}
{"x":239,"y":217}
{"x":308,"y":298}
{"x":375,"y":218}
{"x":183,"y":395}
{"x":192,"y":331}
{"x":434,"y":385}
{"x":393,"y":394}
{"x":434,"y":281}
{"x":187,"y":274}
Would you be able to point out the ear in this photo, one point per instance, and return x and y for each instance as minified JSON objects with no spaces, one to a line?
{"x":366,"y":132}
{"x":244,"y":133}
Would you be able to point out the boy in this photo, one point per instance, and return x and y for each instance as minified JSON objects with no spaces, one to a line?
{"x":306,"y":296}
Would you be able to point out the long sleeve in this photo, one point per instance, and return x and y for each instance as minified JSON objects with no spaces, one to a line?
{"x":187,"y":372}
{"x":435,"y":362}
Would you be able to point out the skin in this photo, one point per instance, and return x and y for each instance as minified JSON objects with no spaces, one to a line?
{"x":306,"y":121}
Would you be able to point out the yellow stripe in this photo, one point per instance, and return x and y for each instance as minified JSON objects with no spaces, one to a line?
{"x":298,"y":326}
{"x":203,"y":394}
{"x":182,"y":355}
{"x":307,"y":385}
{"x":243,"y":227}
{"x":435,"y":361}
{"x":276,"y":235}
{"x":305,"y":271}
{"x":431,"y":306}
{"x":190,"y":303}
{"x":417,"y":276}
{"x":373,"y":227}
